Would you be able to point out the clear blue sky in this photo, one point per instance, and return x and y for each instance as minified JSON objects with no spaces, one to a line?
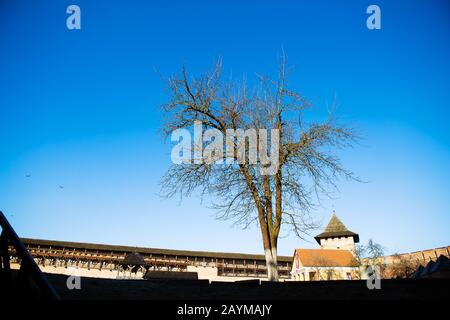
{"x":82,"y":109}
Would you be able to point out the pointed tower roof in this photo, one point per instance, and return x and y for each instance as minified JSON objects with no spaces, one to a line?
{"x":335,"y":229}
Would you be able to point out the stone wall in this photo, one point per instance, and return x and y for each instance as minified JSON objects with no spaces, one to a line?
{"x":204,"y":273}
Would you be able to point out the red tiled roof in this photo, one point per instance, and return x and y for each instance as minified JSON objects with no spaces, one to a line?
{"x":325,"y":258}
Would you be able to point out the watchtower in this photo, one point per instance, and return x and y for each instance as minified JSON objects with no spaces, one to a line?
{"x":337,"y":236}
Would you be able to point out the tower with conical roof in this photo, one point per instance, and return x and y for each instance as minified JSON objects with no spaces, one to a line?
{"x":337,"y":236}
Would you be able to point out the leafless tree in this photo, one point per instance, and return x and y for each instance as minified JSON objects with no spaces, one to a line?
{"x":307,"y":166}
{"x":371,"y":254}
{"x":402,"y":266}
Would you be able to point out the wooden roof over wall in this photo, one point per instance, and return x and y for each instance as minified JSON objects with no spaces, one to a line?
{"x":143,"y":250}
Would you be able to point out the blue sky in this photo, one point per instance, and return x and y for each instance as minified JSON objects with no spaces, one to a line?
{"x":82,"y":109}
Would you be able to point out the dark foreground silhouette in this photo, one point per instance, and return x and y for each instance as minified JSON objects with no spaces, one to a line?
{"x":94,"y":288}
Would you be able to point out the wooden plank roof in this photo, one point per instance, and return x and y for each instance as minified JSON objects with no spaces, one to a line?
{"x":144,"y":250}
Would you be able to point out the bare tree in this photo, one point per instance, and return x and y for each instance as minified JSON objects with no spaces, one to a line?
{"x":402,"y":266}
{"x":240,"y":191}
{"x":371,"y":254}
{"x":374,"y":250}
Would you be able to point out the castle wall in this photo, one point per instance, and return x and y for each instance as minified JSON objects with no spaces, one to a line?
{"x":423,"y":257}
{"x":76,"y":271}
{"x":204,"y":273}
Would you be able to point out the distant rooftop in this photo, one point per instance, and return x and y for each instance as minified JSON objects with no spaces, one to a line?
{"x":325,"y":258}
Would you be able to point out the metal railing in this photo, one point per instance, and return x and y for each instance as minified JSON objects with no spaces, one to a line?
{"x":29,"y":270}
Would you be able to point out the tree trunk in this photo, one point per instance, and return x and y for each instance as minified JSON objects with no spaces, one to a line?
{"x":272,"y":264}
